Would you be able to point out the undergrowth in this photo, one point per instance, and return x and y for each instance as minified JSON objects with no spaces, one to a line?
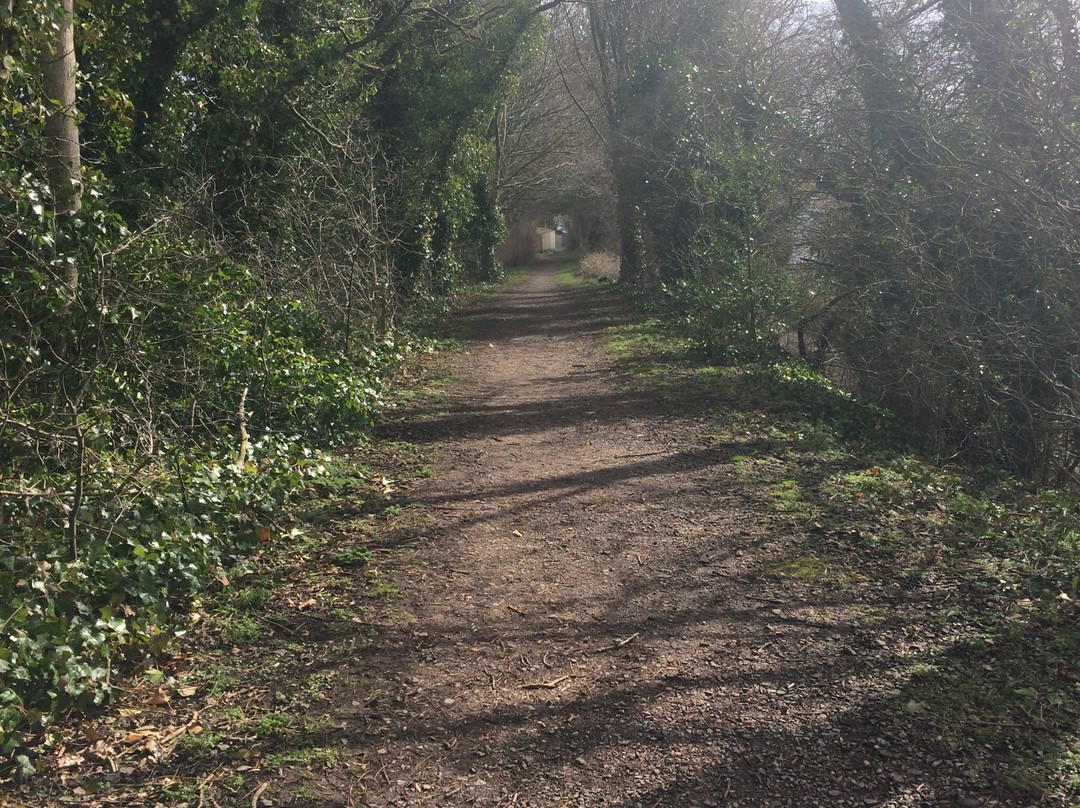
{"x":117,"y":514}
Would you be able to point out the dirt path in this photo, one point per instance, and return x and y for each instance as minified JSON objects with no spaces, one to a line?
{"x":588,"y":622}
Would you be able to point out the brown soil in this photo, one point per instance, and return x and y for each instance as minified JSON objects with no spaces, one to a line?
{"x":590,"y":621}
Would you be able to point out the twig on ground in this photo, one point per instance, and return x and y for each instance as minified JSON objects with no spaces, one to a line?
{"x":545,"y":685}
{"x":202,"y":789}
{"x":618,"y":643}
{"x":276,"y":624}
{"x":259,"y":789}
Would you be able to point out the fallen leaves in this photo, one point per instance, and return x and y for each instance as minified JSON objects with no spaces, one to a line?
{"x":159,"y":697}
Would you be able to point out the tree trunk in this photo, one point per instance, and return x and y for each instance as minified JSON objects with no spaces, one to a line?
{"x":893,"y":122}
{"x":7,"y":32}
{"x":1070,"y":42}
{"x":62,"y":156}
{"x":631,"y":266}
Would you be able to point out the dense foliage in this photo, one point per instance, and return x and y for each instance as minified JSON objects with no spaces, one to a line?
{"x":889,"y":187}
{"x":269,"y":194}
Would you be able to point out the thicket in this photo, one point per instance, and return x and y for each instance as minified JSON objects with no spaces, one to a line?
{"x":210,"y":288}
{"x":887,"y":187}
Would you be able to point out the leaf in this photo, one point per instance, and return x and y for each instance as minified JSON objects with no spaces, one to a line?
{"x":26,"y":768}
{"x":159,"y":698}
{"x":186,"y":691}
{"x":92,"y":734}
{"x":70,"y":761}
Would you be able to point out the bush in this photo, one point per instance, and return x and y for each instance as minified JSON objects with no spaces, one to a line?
{"x":599,"y":266}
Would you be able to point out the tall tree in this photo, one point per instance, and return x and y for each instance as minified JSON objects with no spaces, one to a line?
{"x":62,"y":149}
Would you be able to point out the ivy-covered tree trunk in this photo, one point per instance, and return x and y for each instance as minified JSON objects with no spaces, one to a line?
{"x":892,"y":123}
{"x":627,"y":214}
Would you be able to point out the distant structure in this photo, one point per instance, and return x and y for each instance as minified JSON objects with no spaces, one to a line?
{"x":551,"y":239}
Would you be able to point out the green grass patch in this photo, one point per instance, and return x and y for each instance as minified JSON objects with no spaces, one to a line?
{"x":567,"y":274}
{"x":351,"y":557}
{"x":305,"y":756}
{"x":271,"y":725}
{"x":807,"y":567}
{"x":241,"y":629}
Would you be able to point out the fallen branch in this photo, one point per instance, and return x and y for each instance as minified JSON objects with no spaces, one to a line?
{"x":545,"y":685}
{"x":618,"y":643}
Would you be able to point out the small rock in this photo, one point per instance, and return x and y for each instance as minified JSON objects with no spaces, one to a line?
{"x":969,"y":802}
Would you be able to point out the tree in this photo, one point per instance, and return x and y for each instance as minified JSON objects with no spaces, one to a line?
{"x":946,"y":159}
{"x":61,"y":132}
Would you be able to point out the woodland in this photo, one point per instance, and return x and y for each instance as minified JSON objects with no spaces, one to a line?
{"x":224,"y":226}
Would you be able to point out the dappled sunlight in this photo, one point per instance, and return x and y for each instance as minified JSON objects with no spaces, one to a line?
{"x":612,"y":612}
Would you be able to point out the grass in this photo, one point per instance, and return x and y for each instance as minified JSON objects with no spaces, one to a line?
{"x":199,"y":746}
{"x":271,"y":725}
{"x":351,"y":557}
{"x":379,"y":587}
{"x":806,"y":567}
{"x":567,"y":274}
{"x":240,"y":629}
{"x":304,"y":756}
{"x":250,"y":598}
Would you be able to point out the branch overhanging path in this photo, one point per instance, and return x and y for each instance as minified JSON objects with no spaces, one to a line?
{"x":588,"y":617}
